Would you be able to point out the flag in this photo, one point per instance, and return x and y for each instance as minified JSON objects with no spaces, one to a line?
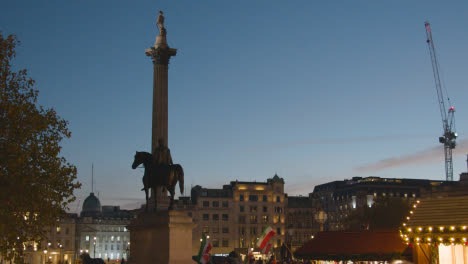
{"x":249,"y":255}
{"x":205,"y":248}
{"x":265,"y":237}
{"x":266,"y":250}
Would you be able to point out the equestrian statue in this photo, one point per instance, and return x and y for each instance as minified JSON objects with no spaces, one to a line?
{"x":160,"y":172}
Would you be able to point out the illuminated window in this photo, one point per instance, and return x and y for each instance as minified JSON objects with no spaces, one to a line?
{"x":265,"y":219}
{"x":112,"y":238}
{"x":87,"y":238}
{"x":253,"y":219}
{"x":253,"y":209}
{"x":118,"y":238}
{"x":58,"y":229}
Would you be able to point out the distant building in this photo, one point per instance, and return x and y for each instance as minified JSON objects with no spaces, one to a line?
{"x":101,"y":230}
{"x":300,"y":222}
{"x":235,"y":216}
{"x":338,"y":198}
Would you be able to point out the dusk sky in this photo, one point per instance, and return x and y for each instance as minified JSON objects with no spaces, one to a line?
{"x":314,"y":91}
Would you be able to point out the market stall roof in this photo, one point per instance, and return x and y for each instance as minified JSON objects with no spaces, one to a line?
{"x":346,"y":243}
{"x":445,"y":211}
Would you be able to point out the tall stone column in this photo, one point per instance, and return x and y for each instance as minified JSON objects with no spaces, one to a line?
{"x":160,"y":55}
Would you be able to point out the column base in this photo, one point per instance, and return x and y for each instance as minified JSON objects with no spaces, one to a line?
{"x":161,"y":237}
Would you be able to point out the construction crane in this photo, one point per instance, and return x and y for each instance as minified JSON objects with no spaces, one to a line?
{"x":448,"y":116}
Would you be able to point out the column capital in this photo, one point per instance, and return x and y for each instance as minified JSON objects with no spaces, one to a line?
{"x":160,"y":55}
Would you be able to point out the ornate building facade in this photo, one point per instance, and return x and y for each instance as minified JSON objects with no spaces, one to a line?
{"x":235,"y":216}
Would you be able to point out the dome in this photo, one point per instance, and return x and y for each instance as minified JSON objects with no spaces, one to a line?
{"x":91,"y":206}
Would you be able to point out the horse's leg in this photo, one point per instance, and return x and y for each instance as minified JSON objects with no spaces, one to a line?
{"x":146,"y":194}
{"x":171,"y":190}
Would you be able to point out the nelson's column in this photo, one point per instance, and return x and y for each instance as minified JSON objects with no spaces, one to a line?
{"x":159,"y":235}
{"x":160,"y":54}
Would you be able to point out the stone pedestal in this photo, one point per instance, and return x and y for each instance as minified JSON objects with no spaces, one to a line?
{"x":161,"y":238}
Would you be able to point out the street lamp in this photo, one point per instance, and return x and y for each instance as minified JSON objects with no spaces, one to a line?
{"x":45,"y":256}
{"x":94,"y":251}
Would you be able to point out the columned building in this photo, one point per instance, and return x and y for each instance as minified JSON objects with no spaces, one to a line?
{"x":101,"y":230}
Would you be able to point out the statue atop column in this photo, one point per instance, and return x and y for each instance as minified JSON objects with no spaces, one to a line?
{"x":160,"y":24}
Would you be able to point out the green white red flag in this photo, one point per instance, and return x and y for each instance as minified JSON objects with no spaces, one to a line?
{"x":267,"y":234}
{"x":266,"y":250}
{"x":203,"y":253}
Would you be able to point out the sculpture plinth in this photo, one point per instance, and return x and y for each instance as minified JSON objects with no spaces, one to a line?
{"x":162,"y":237}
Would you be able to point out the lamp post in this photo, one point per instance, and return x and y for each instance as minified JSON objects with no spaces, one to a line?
{"x":128,"y":250}
{"x":45,"y":256}
{"x":321,"y":218}
{"x":94,"y":250}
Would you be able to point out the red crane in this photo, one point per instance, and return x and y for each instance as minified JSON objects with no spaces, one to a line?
{"x":448,"y":116}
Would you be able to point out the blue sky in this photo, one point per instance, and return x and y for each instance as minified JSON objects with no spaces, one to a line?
{"x":315,"y":91}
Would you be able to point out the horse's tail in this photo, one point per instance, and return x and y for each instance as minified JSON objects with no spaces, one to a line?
{"x":180,"y":175}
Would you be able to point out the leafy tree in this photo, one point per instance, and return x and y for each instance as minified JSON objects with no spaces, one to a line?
{"x":36,"y":184}
{"x":386,"y":212}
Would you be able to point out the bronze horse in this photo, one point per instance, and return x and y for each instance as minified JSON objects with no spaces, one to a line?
{"x":165,"y":176}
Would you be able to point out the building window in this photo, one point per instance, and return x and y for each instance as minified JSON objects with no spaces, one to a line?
{"x":264,"y":198}
{"x":278,"y":231}
{"x":216,"y":217}
{"x":278,"y":199}
{"x":206,"y":204}
{"x":253,"y":198}
{"x":206,"y":217}
{"x":242,"y":219}
{"x":253,"y":219}
{"x":67,"y":231}
{"x":58,"y":229}
{"x":225,"y":217}
{"x":118,"y":238}
{"x":242,"y":230}
{"x":241,"y":197}
{"x":253,"y":209}
{"x":112,"y":238}
{"x":118,"y":246}
{"x":225,"y":230}
{"x":87,"y":238}
{"x":215,"y":229}
{"x":206,"y":229}
{"x":105,"y":247}
{"x":225,"y":204}
{"x":265,"y":209}
{"x":112,"y":247}
{"x":278,"y":242}
{"x":215,"y":243}
{"x":215,"y":203}
{"x":225,"y":243}
{"x":265,"y":218}
{"x":253,"y":230}
{"x":241,"y":208}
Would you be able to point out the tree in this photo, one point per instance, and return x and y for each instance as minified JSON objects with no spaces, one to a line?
{"x":386,"y":212}
{"x":36,"y":184}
